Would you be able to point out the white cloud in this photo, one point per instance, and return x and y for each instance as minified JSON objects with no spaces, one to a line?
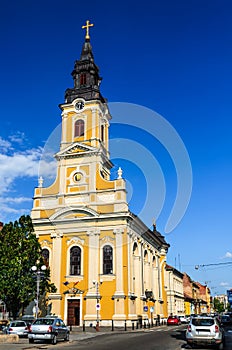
{"x":15,"y":165}
{"x":18,"y":137}
{"x":224,"y":284}
{"x":48,"y":170}
{"x":23,"y":164}
{"x":227,"y":255}
{"x":17,"y":200}
{"x":4,"y":145}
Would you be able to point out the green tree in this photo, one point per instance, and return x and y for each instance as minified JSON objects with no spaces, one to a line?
{"x":218,"y":305}
{"x":19,"y":251}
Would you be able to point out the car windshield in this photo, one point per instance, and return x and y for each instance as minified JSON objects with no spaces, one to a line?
{"x":202,"y":321}
{"x":46,"y":321}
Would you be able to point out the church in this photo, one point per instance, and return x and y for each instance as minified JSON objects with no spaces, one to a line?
{"x":105,"y":262}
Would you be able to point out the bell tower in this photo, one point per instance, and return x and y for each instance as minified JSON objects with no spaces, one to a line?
{"x":83,"y":161}
{"x":85,"y":114}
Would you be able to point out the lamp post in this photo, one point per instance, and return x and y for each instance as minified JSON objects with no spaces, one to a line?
{"x":97,"y":284}
{"x":39,"y":273}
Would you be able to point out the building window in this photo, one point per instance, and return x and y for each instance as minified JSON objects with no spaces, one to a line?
{"x":75,"y":261}
{"x":82,"y":79}
{"x":79,"y":128}
{"x":102,"y":132}
{"x":107,"y":260}
{"x":145,"y":256}
{"x":135,"y":249}
{"x":45,"y":255}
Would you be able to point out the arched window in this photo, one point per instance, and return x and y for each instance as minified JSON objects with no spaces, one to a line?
{"x":145,"y":255}
{"x":107,"y":260}
{"x":135,"y":249}
{"x":79,"y":128}
{"x":45,"y":255}
{"x":75,"y":261}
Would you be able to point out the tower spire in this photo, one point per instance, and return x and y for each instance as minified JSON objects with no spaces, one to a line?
{"x":85,"y":74}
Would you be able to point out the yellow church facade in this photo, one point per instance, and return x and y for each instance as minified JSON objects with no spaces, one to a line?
{"x":105,"y":262}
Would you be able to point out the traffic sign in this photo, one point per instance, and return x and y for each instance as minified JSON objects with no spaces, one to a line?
{"x":145,"y":308}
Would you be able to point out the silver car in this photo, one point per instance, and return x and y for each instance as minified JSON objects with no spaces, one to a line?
{"x":205,"y":330}
{"x":17,"y":327}
{"x":48,"y":328}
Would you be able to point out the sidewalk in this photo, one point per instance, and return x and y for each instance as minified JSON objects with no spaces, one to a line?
{"x":77,"y":333}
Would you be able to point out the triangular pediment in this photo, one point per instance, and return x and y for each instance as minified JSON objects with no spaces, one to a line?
{"x":75,"y":148}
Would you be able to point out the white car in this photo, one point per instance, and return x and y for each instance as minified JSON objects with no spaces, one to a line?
{"x":17,"y":327}
{"x":205,"y":330}
{"x":184,"y":319}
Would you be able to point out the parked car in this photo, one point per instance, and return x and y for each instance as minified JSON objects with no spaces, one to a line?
{"x":225,"y":320}
{"x":17,"y":327}
{"x":29,"y":319}
{"x":48,"y":328}
{"x":184,"y":319}
{"x":173,"y":320}
{"x":205,"y":330}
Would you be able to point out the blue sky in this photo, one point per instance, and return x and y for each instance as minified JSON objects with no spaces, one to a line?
{"x":171,"y":57}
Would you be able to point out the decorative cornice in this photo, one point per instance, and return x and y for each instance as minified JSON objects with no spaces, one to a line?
{"x":93,"y":232}
{"x":56,"y":235}
{"x":118,"y":231}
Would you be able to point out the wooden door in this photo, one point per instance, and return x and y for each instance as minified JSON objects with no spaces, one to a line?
{"x":73,"y":312}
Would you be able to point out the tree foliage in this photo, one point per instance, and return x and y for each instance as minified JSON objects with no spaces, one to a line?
{"x":218,"y":305}
{"x":19,"y":251}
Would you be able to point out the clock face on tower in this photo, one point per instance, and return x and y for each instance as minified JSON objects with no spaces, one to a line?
{"x":79,"y":105}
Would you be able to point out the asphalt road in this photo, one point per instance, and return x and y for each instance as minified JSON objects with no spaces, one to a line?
{"x":163,"y":338}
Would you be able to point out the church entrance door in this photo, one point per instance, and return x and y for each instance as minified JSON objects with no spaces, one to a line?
{"x":73,"y":312}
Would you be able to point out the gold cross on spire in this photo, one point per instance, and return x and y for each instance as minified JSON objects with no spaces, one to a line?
{"x":87,"y":29}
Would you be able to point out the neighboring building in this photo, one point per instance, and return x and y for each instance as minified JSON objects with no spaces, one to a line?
{"x":197,"y":297}
{"x":203,"y":298}
{"x":191,"y":292}
{"x":105,"y":262}
{"x":223,"y":298}
{"x":175,"y":291}
{"x":229,"y":297}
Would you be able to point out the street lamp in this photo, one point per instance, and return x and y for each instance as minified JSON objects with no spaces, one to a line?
{"x":39,"y":273}
{"x":97,"y":284}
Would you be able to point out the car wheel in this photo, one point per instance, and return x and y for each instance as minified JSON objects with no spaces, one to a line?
{"x":190,"y":346}
{"x":54,"y":340}
{"x":31,"y":341}
{"x":67,"y":337}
